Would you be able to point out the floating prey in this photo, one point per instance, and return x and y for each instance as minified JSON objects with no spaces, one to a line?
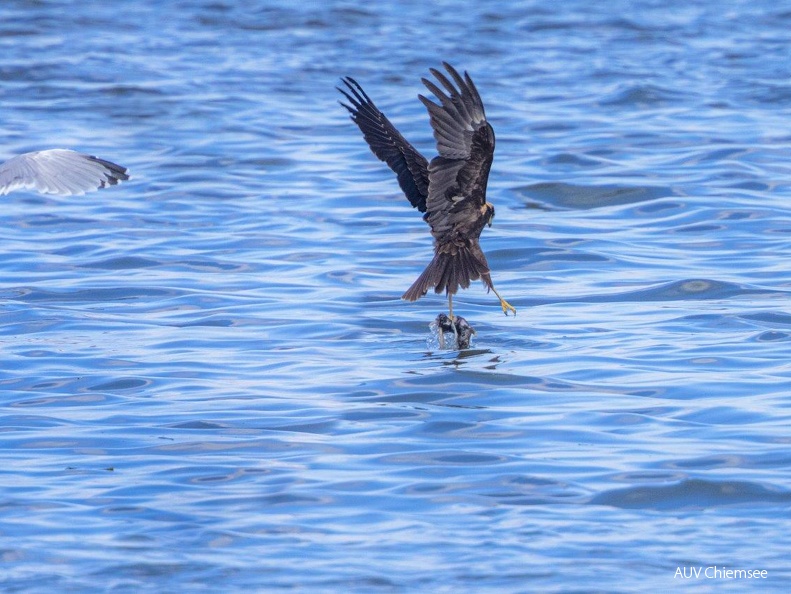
{"x":451,"y":190}
{"x":462,"y":331}
{"x":59,"y":171}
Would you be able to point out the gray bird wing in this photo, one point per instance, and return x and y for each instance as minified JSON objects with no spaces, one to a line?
{"x":59,"y":171}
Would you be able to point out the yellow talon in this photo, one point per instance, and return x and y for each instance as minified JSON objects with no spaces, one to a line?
{"x":506,"y":306}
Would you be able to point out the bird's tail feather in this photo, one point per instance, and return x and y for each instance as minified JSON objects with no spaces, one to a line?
{"x":447,"y":272}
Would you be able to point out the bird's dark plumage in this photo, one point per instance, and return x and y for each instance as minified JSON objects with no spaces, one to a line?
{"x":387,"y":143}
{"x":451,"y":190}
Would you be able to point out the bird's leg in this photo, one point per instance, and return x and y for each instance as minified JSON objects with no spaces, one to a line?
{"x":452,"y":319}
{"x":503,"y":303}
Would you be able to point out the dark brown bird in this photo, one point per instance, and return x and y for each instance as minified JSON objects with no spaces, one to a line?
{"x":451,"y":190}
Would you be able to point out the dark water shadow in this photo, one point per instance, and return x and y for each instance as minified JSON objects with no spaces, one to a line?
{"x":687,"y":289}
{"x":642,"y":95}
{"x":575,"y":197}
{"x":29,"y":295}
{"x":692,"y":494}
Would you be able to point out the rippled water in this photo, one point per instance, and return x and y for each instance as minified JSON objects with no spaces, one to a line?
{"x":211,"y":383}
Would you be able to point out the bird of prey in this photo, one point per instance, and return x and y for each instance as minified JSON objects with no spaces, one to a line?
{"x":59,"y":171}
{"x":451,"y":190}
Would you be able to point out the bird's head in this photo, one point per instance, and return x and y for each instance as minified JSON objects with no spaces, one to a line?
{"x":489,"y":213}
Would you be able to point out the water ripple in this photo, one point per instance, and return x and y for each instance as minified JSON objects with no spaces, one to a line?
{"x":209,"y":371}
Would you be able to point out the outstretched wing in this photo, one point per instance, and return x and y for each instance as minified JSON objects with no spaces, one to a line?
{"x":59,"y":171}
{"x":387,"y":143}
{"x":465,"y":141}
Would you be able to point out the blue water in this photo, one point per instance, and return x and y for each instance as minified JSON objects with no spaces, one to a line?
{"x":209,"y":380}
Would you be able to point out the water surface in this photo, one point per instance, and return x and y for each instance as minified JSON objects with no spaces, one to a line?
{"x":210,"y":380}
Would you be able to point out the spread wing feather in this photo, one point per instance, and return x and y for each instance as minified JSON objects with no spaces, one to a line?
{"x":59,"y":171}
{"x":465,"y":142}
{"x":388,"y":144}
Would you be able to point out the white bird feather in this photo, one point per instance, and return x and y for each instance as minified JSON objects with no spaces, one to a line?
{"x":59,"y":171}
